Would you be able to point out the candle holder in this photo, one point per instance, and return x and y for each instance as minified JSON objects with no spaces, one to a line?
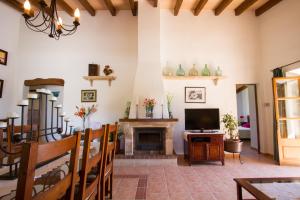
{"x":52,"y":110}
{"x":31,"y":97}
{"x":137,"y":111}
{"x":22,"y":118}
{"x":12,"y":119}
{"x":162,"y":111}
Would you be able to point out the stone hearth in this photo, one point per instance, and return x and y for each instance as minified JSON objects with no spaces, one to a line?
{"x":129,"y":126}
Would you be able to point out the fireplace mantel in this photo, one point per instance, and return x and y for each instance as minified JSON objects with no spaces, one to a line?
{"x":130,"y":124}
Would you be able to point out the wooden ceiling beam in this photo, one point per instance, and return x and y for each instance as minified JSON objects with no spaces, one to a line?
{"x":133,"y":7}
{"x":14,"y":4}
{"x":66,"y":7}
{"x":221,"y":7}
{"x":199,"y":6}
{"x":267,"y":6}
{"x":177,"y":7}
{"x":88,"y":7}
{"x":110,"y":7}
{"x":244,"y":6}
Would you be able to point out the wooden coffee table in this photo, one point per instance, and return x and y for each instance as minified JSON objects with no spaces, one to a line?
{"x":269,"y":188}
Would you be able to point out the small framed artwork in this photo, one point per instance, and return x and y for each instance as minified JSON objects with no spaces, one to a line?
{"x":195,"y":95}
{"x":88,"y":95}
{"x":1,"y":87}
{"x":3,"y":57}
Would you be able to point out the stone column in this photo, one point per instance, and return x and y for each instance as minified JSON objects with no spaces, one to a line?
{"x":128,"y":133}
{"x":169,"y":140}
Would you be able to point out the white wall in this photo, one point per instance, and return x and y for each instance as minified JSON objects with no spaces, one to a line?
{"x":226,"y":41}
{"x":9,"y":38}
{"x":102,"y":39}
{"x":280,"y":45}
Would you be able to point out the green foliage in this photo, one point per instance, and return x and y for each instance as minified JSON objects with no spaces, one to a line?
{"x":230,"y":125}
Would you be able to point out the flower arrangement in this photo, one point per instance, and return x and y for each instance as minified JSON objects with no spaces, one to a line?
{"x":149,"y":104}
{"x":84,"y":112}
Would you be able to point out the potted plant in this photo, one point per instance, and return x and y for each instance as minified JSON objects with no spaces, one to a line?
{"x":232,"y":144}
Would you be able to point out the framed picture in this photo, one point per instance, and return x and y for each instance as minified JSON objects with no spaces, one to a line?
{"x":195,"y":95}
{"x":3,"y":57}
{"x":88,"y":95}
{"x":1,"y":87}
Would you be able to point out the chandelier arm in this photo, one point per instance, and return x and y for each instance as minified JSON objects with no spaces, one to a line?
{"x":65,"y":29}
{"x":35,"y":29}
{"x":40,"y":27}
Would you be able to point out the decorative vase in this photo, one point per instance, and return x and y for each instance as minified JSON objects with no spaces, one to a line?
{"x":218,"y":72}
{"x":168,"y":70}
{"x":170,"y":115}
{"x":107,"y":70}
{"x":149,"y":112}
{"x":205,"y":71}
{"x":180,"y":71}
{"x":193,"y":71}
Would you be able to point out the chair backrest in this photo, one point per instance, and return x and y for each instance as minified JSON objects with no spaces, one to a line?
{"x":27,"y":135}
{"x":92,"y":163}
{"x":34,"y":154}
{"x":109,"y":154}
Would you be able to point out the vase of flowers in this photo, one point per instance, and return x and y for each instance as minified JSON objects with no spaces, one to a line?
{"x":84,"y":113}
{"x":169,"y":101}
{"x":149,"y":104}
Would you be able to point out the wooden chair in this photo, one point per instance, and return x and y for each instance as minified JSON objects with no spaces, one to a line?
{"x":90,"y":173}
{"x":10,"y":148}
{"x":109,"y":155}
{"x":34,"y":154}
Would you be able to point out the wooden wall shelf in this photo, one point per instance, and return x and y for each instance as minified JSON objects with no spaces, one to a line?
{"x":100,"y":78}
{"x":215,"y":79}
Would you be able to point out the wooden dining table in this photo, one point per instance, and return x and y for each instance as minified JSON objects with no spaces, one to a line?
{"x":9,"y":186}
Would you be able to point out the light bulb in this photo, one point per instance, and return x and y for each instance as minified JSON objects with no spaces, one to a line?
{"x":77,"y":13}
{"x":27,"y":8}
{"x":59,"y":22}
{"x":27,"y":5}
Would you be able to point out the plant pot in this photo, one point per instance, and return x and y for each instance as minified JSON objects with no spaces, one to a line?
{"x":233,"y":146}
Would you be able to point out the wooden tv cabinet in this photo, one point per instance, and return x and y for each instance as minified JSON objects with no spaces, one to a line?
{"x":199,"y":147}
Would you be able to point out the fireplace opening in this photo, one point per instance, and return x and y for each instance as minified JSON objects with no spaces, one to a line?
{"x":149,"y":139}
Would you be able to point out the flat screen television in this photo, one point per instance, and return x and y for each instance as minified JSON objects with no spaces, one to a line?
{"x":202,"y":119}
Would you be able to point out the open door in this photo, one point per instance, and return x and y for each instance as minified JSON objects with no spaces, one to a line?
{"x":287,"y":109}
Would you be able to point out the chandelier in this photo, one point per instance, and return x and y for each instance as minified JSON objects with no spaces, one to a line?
{"x":47,"y":20}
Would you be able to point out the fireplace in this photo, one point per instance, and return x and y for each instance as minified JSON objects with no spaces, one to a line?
{"x":152,"y":134}
{"x":149,"y":139}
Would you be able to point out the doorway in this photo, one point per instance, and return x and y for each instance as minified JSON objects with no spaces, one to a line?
{"x":247,"y":115}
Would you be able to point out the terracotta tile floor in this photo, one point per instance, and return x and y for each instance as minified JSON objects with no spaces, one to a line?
{"x":164,"y":179}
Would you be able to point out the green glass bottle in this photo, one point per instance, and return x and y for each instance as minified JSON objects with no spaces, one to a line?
{"x":193,"y":71}
{"x":205,"y":71}
{"x":180,"y":71}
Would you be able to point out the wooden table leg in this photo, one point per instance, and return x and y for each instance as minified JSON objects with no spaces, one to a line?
{"x":239,"y":192}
